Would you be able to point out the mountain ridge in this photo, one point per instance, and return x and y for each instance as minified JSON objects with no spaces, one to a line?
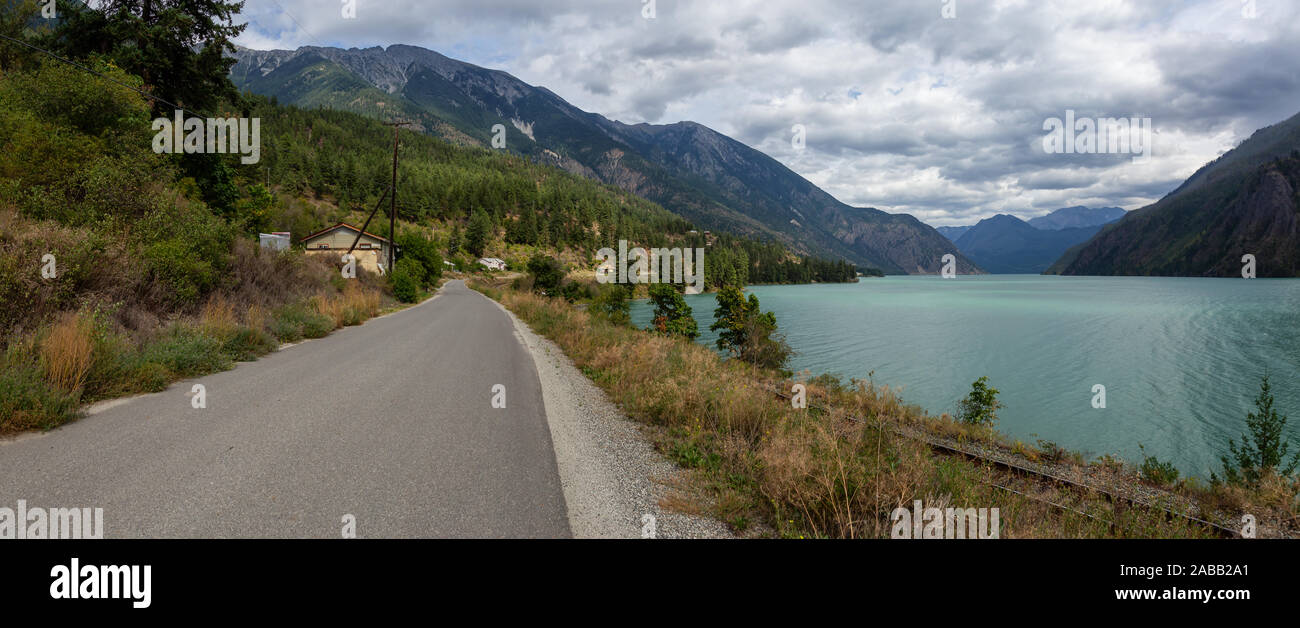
{"x":690,"y":169}
{"x":1005,"y":244}
{"x":1246,"y":201}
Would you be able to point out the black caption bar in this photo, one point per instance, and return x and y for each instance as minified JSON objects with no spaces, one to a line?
{"x":152,"y":577}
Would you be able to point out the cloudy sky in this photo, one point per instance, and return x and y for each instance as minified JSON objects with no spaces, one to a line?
{"x":930,"y":107}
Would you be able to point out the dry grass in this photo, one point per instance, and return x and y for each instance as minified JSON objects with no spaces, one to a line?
{"x":356,"y":304}
{"x":255,"y":317}
{"x":67,"y":351}
{"x":218,"y":319}
{"x":803,"y":473}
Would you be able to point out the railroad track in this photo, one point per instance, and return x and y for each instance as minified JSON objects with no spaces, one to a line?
{"x":1040,"y":476}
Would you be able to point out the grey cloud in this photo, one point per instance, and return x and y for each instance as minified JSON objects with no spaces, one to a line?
{"x":950,"y":154}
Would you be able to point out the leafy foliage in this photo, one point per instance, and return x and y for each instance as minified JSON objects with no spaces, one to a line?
{"x":612,"y":302}
{"x":547,"y":274}
{"x":673,"y":316}
{"x":419,"y":255}
{"x":406,"y":287}
{"x":177,"y":46}
{"x":746,"y":331}
{"x":1156,"y":471}
{"x":981,"y":405}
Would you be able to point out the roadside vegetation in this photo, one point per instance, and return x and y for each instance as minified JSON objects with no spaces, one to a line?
{"x":123,"y":270}
{"x":839,"y":467}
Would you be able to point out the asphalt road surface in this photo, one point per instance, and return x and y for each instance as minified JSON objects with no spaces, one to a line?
{"x":390,"y":422}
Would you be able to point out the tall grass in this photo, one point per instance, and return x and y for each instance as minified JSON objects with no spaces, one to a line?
{"x":67,"y":351}
{"x":837,"y":472}
{"x":83,"y":356}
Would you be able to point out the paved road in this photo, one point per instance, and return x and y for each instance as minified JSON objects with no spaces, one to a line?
{"x":390,"y":422}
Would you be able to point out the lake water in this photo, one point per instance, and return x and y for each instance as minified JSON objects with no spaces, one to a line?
{"x":1180,"y":358}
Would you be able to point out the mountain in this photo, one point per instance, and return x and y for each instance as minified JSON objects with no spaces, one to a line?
{"x":1078,"y":216}
{"x":1244,"y":202}
{"x":1006,"y":244}
{"x":952,"y":233}
{"x":695,"y":172}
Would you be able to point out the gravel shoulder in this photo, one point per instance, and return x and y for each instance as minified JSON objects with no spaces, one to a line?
{"x":610,"y":473}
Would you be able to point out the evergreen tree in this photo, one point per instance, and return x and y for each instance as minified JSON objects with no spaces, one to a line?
{"x":454,"y":241}
{"x":478,"y":233}
{"x":177,"y":46}
{"x":1264,"y":448}
{"x":673,"y":316}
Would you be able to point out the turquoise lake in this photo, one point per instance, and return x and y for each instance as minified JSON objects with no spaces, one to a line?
{"x":1181,"y":358}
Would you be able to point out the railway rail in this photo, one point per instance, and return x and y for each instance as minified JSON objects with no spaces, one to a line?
{"x":1041,"y":476}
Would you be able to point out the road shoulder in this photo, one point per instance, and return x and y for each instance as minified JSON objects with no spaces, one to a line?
{"x":611,"y":475}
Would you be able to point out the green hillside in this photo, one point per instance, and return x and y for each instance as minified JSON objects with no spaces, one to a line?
{"x":1244,"y":202}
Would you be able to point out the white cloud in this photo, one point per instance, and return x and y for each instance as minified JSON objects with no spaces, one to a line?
{"x":905,"y":111}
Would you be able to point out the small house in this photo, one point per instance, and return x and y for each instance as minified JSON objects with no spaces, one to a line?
{"x":492,"y":263}
{"x":371,"y":251}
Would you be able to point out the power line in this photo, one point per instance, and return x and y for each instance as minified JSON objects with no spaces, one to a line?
{"x":299,"y":24}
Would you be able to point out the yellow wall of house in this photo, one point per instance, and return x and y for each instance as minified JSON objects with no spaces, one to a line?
{"x":340,"y":239}
{"x":366,"y":258}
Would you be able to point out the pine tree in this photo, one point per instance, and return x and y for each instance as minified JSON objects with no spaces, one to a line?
{"x":478,"y":233}
{"x":1264,"y":448}
{"x":673,"y":316}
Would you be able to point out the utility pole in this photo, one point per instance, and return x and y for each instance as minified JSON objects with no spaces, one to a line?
{"x":392,"y":215}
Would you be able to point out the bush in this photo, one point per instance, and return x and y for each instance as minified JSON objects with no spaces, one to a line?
{"x":186,"y":251}
{"x":187,"y":352}
{"x":981,"y":406}
{"x":296,"y":321}
{"x":747,"y":332}
{"x":574,"y":291}
{"x":406,"y":286}
{"x":28,"y":402}
{"x":1157,"y":472}
{"x":247,"y":344}
{"x":612,"y":303}
{"x":673,"y":316}
{"x":547,"y":274}
{"x":420,"y":253}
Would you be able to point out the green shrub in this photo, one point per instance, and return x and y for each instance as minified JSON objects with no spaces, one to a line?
{"x":405,"y":285}
{"x":612,"y":303}
{"x":297,"y":321}
{"x":547,"y":274}
{"x":574,"y":291}
{"x":286,"y":329}
{"x":248,"y":344}
{"x":1157,"y":472}
{"x":673,"y":316}
{"x":421,"y":251}
{"x":981,"y":406}
{"x":316,"y":325}
{"x":28,"y":402}
{"x":186,"y":352}
{"x":186,"y":250}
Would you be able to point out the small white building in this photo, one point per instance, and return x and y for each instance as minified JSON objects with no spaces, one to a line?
{"x":492,"y":263}
{"x":275,"y":241}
